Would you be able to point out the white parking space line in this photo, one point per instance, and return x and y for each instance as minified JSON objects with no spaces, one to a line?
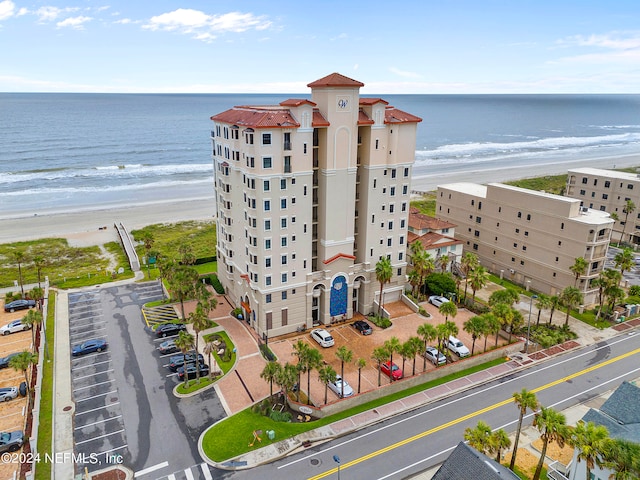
{"x":96,"y":409}
{"x":84,"y":357}
{"x":90,"y":333}
{"x":206,"y":471}
{"x":98,"y":423}
{"x":172,"y":374}
{"x":171,"y":477}
{"x":76,"y":326}
{"x":93,"y":385}
{"x":73,"y":369}
{"x":144,"y":471}
{"x":96,"y":396}
{"x":98,"y":438}
{"x":10,"y":343}
{"x":92,"y":375}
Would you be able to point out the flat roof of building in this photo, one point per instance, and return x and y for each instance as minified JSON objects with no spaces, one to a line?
{"x":601,"y":172}
{"x":467,"y":187}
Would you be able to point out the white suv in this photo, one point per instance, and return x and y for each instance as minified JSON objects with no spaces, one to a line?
{"x":323,"y":337}
{"x":457,"y":347}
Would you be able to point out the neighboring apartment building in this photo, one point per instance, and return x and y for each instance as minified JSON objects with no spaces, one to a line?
{"x":608,"y":190}
{"x":436,"y":236}
{"x":310,"y":195}
{"x":531,"y":238}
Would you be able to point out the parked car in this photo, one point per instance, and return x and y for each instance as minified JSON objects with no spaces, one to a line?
{"x":19,"y":305}
{"x":323,"y":337}
{"x":4,"y":362}
{"x":435,"y":356}
{"x":178,"y":361}
{"x":13,"y":327}
{"x":457,"y":347}
{"x":11,"y":441}
{"x":90,"y":346}
{"x":168,"y":329}
{"x":437,"y":300}
{"x":191,"y":372}
{"x":388,"y":369}
{"x":337,"y":385}
{"x":8,"y":393}
{"x":363,"y":327}
{"x":168,"y":346}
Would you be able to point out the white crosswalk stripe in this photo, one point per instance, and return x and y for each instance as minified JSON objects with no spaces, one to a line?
{"x":196,"y":472}
{"x":206,"y":471}
{"x":189,"y":474}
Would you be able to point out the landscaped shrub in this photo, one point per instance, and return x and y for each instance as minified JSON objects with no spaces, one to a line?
{"x":277,"y":416}
{"x":267,"y":353}
{"x":214,"y":281}
{"x":200,"y":261}
{"x":423,"y":312}
{"x":381,"y":322}
{"x":236,"y":312}
{"x":440,"y":283}
{"x":548,"y":336}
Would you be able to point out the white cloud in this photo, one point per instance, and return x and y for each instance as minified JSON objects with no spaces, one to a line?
{"x":203,"y":26}
{"x":404,"y":73}
{"x":74,"y":22}
{"x":613,"y":47}
{"x":7,"y":9}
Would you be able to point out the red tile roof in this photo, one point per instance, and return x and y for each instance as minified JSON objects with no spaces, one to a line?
{"x":296,"y":102}
{"x":372,"y":101}
{"x":435,"y":240}
{"x":420,"y":221}
{"x":336,"y":257}
{"x":393,"y":115}
{"x":335,"y":80}
{"x":257,"y":117}
{"x":363,"y":118}
{"x":318,"y":119}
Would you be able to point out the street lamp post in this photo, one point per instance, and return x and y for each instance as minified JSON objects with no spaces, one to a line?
{"x":336,"y":459}
{"x":529,"y":324}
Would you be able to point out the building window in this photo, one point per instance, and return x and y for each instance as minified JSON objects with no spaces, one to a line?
{"x":389,"y":242}
{"x":267,"y":185}
{"x":283,"y":241}
{"x":392,"y":191}
{"x":283,"y":222}
{"x":584,"y":180}
{"x":393,"y":173}
{"x":266,"y":139}
{"x":475,"y":246}
{"x":267,"y":299}
{"x":267,"y":280}
{"x":607,"y":184}
{"x":267,"y":224}
{"x":390,"y":225}
{"x":391,"y":208}
{"x":630,"y":186}
{"x":401,"y":240}
{"x":267,"y":244}
{"x":267,"y":262}
{"x":402,"y":223}
{"x":284,"y":278}
{"x":406,"y":171}
{"x":283,"y":260}
{"x":400,"y":256}
{"x":528,"y":216}
{"x":266,"y":162}
{"x":582,"y":192}
{"x":519,"y":214}
{"x":267,"y":205}
{"x":377,"y":143}
{"x":476,"y":233}
{"x":478,"y":220}
{"x":283,"y":203}
{"x":284,"y":295}
{"x":283,"y":184}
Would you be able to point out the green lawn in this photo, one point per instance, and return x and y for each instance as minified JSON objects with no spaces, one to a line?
{"x":426,"y":205}
{"x":168,"y":237}
{"x":225,"y":366}
{"x":193,"y":385}
{"x":232,"y":436}
{"x":45,"y":428}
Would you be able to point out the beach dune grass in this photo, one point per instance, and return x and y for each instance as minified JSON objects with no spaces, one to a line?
{"x":200,"y":236}
{"x":65,"y":265}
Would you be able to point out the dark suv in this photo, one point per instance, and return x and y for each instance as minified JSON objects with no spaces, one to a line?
{"x":167,"y":329}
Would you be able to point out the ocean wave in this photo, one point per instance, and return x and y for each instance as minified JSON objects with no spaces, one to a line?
{"x":108,"y":172}
{"x":479,"y":151}
{"x":41,"y":191}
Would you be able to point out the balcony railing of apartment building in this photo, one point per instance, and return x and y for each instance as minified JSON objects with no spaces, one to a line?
{"x":317,"y":276}
{"x":287,"y":146}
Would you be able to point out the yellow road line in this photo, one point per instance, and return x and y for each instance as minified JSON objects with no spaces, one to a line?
{"x":471,"y":415}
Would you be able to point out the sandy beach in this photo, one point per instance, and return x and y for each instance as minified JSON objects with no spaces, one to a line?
{"x":84,"y":228}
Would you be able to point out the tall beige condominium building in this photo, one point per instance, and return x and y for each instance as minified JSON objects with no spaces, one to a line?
{"x":529,"y":237}
{"x":310,"y":195}
{"x":609,"y":191}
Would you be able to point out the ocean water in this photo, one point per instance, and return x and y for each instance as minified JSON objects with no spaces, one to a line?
{"x":61,"y":152}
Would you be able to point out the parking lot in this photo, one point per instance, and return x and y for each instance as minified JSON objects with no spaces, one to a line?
{"x":12,"y":411}
{"x":124,"y":400}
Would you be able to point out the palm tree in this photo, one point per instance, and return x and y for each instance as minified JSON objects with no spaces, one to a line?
{"x":313,"y":361}
{"x":199,"y":321}
{"x":301,"y":350}
{"x":22,"y":362}
{"x":327,"y":374}
{"x":570,"y":297}
{"x":492,"y":325}
{"x":444,"y":262}
{"x":524,"y":400}
{"x":445,"y":330}
{"x":208,"y":349}
{"x":479,"y":437}
{"x":184,"y":343}
{"x":186,"y":254}
{"x":405,"y":351}
{"x":623,"y":457}
{"x":33,"y":318}
{"x":391,"y":346}
{"x":384,"y":273}
{"x":360,"y":364}
{"x":504,"y":313}
{"x":344,"y":355}
{"x":498,"y":442}
{"x":37,"y":293}
{"x":379,"y":355}
{"x":147,"y":239}
{"x":18,"y":256}
{"x":552,"y":427}
{"x":508,"y":296}
{"x":628,"y":208}
{"x":287,"y":377}
{"x":542,"y":303}
{"x":414,"y":349}
{"x":590,"y":440}
{"x":448,"y":308}
{"x":479,"y":277}
{"x":475,"y":326}
{"x":39,"y":262}
{"x":427,"y":333}
{"x":579,"y":268}
{"x":468,"y":263}
{"x":270,"y":373}
{"x":624,"y":260}
{"x":555,"y":302}
{"x":182,"y":283}
{"x":414,"y":281}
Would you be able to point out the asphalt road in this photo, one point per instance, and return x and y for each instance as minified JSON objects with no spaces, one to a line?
{"x":160,"y":431}
{"x":420,"y":439}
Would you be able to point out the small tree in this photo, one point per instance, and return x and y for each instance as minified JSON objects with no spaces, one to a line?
{"x":570,"y":297}
{"x":475,"y":326}
{"x":384,"y":273}
{"x":448,"y":308}
{"x":269,"y":373}
{"x":379,"y":355}
{"x":184,"y":343}
{"x":327,"y":374}
{"x":360,"y":364}
{"x":427,"y":333}
{"x":590,"y":440}
{"x":33,"y":318}
{"x":22,"y":362}
{"x":39,"y":262}
{"x":478,"y":279}
{"x":552,"y":427}
{"x":628,"y":208}
{"x":578,"y":269}
{"x":524,"y":400}
{"x":414,"y":349}
{"x":19,"y":256}
{"x":344,"y":355}
{"x":468,"y":263}
{"x":391,"y":346}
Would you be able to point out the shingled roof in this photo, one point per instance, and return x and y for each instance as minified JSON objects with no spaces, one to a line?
{"x":335,"y":80}
{"x":467,"y":463}
{"x":619,"y":413}
{"x":257,"y":117}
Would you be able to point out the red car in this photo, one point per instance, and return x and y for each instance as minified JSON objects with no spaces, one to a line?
{"x":397,"y":371}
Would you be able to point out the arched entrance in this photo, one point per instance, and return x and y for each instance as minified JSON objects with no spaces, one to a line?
{"x":339,"y":296}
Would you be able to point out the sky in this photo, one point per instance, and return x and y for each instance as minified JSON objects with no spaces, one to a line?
{"x":278,"y":46}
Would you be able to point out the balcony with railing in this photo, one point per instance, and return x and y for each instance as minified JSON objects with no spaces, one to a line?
{"x":286,"y":145}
